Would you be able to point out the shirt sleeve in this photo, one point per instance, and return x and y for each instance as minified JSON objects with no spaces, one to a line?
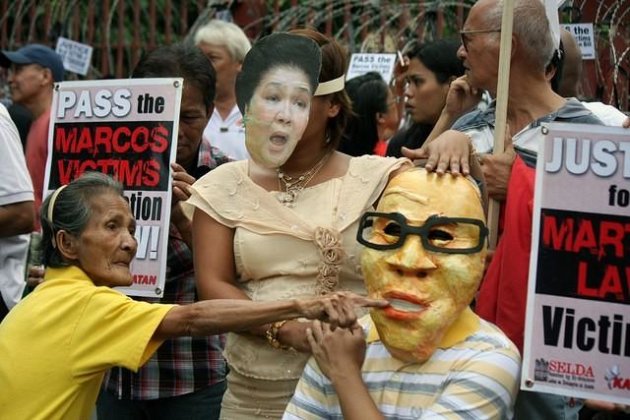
{"x":16,"y":186}
{"x":115,"y":330}
{"x":314,"y":397}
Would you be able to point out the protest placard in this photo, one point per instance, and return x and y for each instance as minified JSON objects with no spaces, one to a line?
{"x":76,"y":56}
{"x":585,"y":38}
{"x":364,"y":63}
{"x":577,"y":334}
{"x":126,"y":129}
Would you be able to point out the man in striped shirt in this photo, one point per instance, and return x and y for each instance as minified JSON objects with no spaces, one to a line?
{"x":427,"y":354}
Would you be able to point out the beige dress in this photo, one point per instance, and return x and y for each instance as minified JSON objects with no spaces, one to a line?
{"x":284,"y":253}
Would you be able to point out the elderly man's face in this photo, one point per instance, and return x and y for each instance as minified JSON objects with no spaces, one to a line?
{"x":434,"y":238}
{"x":480,"y":47}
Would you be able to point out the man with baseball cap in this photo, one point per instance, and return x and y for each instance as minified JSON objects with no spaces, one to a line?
{"x":33,"y":71}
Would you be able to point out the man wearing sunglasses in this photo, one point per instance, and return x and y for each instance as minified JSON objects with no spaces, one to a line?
{"x":427,"y":354}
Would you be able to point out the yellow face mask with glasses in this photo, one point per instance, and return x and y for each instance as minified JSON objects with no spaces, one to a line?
{"x":425,"y":253}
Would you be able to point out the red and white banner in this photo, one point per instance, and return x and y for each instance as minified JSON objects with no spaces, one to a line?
{"x":127,"y":129}
{"x":577,"y":335}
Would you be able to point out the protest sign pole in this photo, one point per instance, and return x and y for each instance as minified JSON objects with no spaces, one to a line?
{"x":503,"y":87}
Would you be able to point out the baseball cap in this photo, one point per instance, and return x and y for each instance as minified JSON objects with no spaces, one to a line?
{"x":35,"y":54}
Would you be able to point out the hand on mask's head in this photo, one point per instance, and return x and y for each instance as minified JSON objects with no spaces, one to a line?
{"x":425,"y":251}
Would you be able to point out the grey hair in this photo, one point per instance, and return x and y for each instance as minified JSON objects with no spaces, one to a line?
{"x":72,"y":211}
{"x":226,"y":34}
{"x":531,"y":26}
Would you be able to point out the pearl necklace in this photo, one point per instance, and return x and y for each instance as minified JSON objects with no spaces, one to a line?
{"x":291,"y":186}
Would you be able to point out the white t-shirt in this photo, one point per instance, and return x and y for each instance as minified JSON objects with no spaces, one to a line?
{"x":227,"y":135}
{"x":15,"y":187}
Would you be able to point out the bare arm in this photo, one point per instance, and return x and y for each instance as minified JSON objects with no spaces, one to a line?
{"x":223,"y":315}
{"x":213,"y":256}
{"x":16,"y":219}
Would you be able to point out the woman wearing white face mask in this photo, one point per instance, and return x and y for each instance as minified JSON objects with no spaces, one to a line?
{"x":282,"y":224}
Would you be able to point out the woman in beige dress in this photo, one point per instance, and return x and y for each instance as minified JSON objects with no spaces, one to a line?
{"x":273,"y":229}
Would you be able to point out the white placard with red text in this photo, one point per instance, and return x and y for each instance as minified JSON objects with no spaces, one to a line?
{"x":127,"y":129}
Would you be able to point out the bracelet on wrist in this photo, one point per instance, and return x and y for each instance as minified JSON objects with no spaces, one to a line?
{"x":272,"y":336}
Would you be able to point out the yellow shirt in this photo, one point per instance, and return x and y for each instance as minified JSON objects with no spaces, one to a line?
{"x":57,"y":343}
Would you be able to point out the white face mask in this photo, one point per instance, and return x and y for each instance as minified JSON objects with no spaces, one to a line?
{"x":277,"y":115}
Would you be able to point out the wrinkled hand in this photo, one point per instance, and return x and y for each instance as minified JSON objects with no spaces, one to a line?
{"x":181,"y":184}
{"x":496,"y":168}
{"x":337,"y":308}
{"x":449,"y":151}
{"x":35,"y":275}
{"x":461,"y":97}
{"x":338,"y":352}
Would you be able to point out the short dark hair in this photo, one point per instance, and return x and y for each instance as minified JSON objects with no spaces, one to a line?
{"x":368,"y":94}
{"x":180,"y":60}
{"x":440,"y":57}
{"x":273,"y":51}
{"x":72,"y":211}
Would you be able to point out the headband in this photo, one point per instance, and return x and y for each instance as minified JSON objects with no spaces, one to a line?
{"x":51,"y":205}
{"x":331,"y":86}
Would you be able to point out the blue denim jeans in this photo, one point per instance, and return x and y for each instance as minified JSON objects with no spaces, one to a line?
{"x":203,"y":404}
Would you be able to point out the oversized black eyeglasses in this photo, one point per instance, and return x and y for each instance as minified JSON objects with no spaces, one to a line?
{"x":450,"y":235}
{"x":465,"y":34}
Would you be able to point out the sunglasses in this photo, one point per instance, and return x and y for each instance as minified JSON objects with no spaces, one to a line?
{"x":465,"y":35}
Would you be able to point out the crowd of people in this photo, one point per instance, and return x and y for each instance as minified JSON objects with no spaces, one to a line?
{"x":314,"y":271}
